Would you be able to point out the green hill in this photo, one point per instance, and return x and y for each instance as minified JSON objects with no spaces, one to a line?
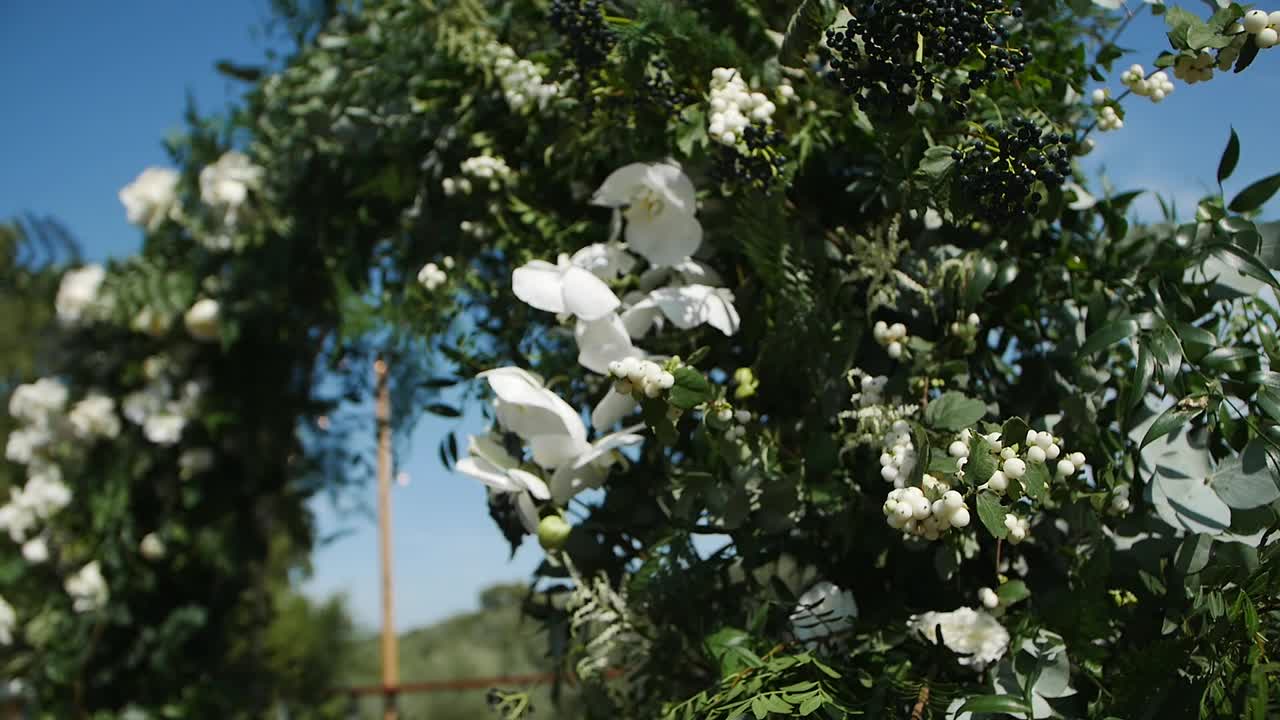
{"x":494,"y":641}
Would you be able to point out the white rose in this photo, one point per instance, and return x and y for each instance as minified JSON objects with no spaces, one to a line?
{"x":203,"y":320}
{"x":77,"y":298}
{"x":148,"y":199}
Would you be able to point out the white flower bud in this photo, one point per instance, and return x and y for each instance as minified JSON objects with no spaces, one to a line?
{"x":1014,"y":468}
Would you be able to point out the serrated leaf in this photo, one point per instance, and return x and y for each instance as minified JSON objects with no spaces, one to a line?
{"x":1110,"y":334}
{"x":1230,"y":157}
{"x":992,"y":513}
{"x":1256,"y":195}
{"x":954,"y":411}
{"x":804,"y":30}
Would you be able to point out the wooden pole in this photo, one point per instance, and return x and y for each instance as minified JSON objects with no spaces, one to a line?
{"x":390,"y":652}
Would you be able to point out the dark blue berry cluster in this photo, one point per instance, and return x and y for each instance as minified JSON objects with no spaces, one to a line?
{"x":1000,"y":175}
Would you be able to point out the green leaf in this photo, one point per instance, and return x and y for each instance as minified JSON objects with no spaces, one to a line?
{"x":1245,"y":481}
{"x":1244,"y":263}
{"x":981,"y":463}
{"x":1014,"y":591}
{"x":954,"y":411}
{"x":690,"y":390}
{"x":1228,"y":360}
{"x":808,"y":706}
{"x":984,"y":271}
{"x":1113,"y":332}
{"x":1269,"y":400}
{"x":804,"y":30}
{"x":1171,"y":419}
{"x":1144,"y":370}
{"x":1253,"y":197}
{"x":1036,"y":480}
{"x":936,"y":163}
{"x":1008,"y":704}
{"x":1229,"y":159}
{"x":992,"y":513}
{"x":1193,"y":554}
{"x":1247,"y":54}
{"x":1014,"y":430}
{"x":444,"y":410}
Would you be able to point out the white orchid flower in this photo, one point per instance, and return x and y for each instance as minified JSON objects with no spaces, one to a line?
{"x":686,"y":272}
{"x":686,"y":307}
{"x":490,"y":463}
{"x":590,"y":468}
{"x":528,"y":409}
{"x":563,"y":288}
{"x":660,"y":203}
{"x":602,"y":341}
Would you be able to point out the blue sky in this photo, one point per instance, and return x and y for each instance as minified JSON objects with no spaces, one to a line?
{"x":92,"y":87}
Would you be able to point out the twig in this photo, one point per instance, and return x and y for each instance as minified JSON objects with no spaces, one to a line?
{"x":922,"y":699}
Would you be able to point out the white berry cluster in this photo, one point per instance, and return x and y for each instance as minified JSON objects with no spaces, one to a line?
{"x":645,"y":375}
{"x":1264,"y":27}
{"x":521,"y":80}
{"x":490,"y":168}
{"x":734,"y":106}
{"x":926,"y":512}
{"x":1108,"y":119}
{"x":898,"y":458}
{"x":475,"y":229}
{"x":736,"y":420}
{"x":1019,"y":528}
{"x":1157,"y":87}
{"x":1041,"y":447}
{"x":892,"y":337}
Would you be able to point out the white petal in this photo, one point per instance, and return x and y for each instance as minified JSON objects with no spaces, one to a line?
{"x":1083,"y":200}
{"x":608,"y":444}
{"x":606,"y":260}
{"x":720,"y":313}
{"x":539,"y":284}
{"x":602,"y":341}
{"x":640,"y":317}
{"x":586,"y":295}
{"x":668,"y":239}
{"x":685,"y":307}
{"x":528,"y":512}
{"x":487,"y":448}
{"x":553,"y":451}
{"x":569,"y":481}
{"x":697,"y":272}
{"x":491,"y":475}
{"x":676,"y":188}
{"x":530,"y":482}
{"x":611,"y":409}
{"x":617,"y":189}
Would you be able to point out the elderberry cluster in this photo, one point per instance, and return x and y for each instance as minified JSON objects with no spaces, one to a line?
{"x":660,"y":92}
{"x":756,"y":162}
{"x":999,"y":172}
{"x":876,"y":52}
{"x":582,"y":24}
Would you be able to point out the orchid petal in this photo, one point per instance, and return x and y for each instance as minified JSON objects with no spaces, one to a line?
{"x":528,"y":512}
{"x":530,"y":482}
{"x":666,"y":239}
{"x":487,"y":473}
{"x":617,"y":189}
{"x":539,"y":284}
{"x":586,"y":295}
{"x":602,"y":341}
{"x":676,"y":187}
{"x":611,"y":409}
{"x":552,"y":451}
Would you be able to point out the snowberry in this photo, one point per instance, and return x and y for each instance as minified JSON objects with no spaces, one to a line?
{"x":734,"y":107}
{"x":957,"y":449}
{"x":1077,"y":459}
{"x":953,"y":499}
{"x":1035,"y":454}
{"x":988,"y":598}
{"x":1267,"y":38}
{"x":1018,"y":528}
{"x":1014,"y":468}
{"x":1100,"y":96}
{"x":666,"y":380}
{"x":895,"y":350}
{"x":998,"y":482}
{"x":1006,"y":453}
{"x":1255,"y":21}
{"x":1052,"y":452}
{"x":742,"y":416}
{"x":1066,"y":468}
{"x":1108,"y":120}
{"x":960,"y":518}
{"x":725,"y":415}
